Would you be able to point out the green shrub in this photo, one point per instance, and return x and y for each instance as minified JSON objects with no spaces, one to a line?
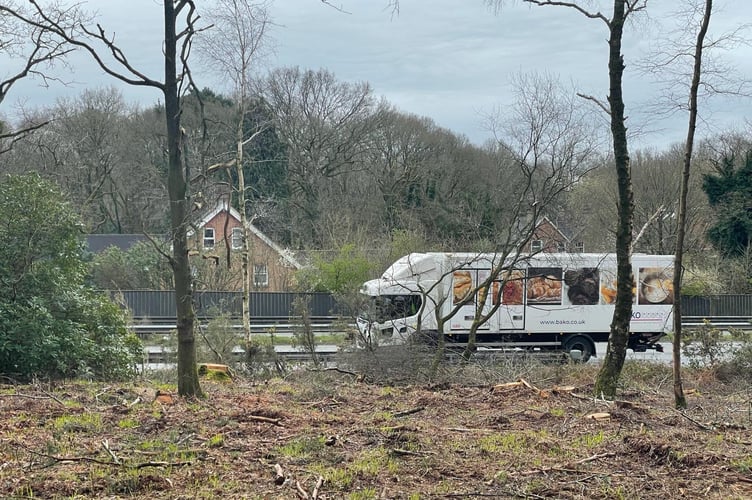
{"x":140,"y":267}
{"x":739,"y":366}
{"x":51,"y":323}
{"x":346,"y":272}
{"x":711,"y":347}
{"x":218,"y":339}
{"x":704,"y":346}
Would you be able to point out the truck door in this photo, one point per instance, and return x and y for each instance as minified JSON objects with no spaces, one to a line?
{"x":464,"y":283}
{"x":509,"y":291}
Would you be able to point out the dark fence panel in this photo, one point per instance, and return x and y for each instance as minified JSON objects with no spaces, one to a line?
{"x":161,"y":304}
{"x":718,"y":306}
{"x":147,"y":303}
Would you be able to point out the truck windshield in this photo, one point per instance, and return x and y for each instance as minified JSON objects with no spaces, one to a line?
{"x":387,"y":307}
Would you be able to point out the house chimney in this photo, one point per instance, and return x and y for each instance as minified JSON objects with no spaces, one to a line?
{"x":224,"y":200}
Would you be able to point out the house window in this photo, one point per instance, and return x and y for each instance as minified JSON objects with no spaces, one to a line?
{"x":208,"y":237}
{"x":260,"y":275}
{"x":536,"y":246}
{"x":237,"y":238}
{"x":579,"y":247}
{"x":561,"y":247}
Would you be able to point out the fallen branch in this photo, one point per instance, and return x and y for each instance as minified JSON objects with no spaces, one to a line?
{"x":268,"y":420}
{"x":319,"y":484}
{"x":698,"y":424}
{"x":528,"y":385}
{"x":102,"y":393}
{"x":409,"y":412}
{"x":340,"y":370}
{"x":160,"y":464}
{"x":29,"y":396}
{"x":540,"y":392}
{"x":595,"y":457}
{"x":301,"y":492}
{"x":106,"y":446}
{"x":181,"y":451}
{"x":520,"y":383}
{"x":466,"y":429}
{"x":404,"y":452}
{"x":507,"y":386}
{"x":114,"y":462}
{"x":581,"y":396}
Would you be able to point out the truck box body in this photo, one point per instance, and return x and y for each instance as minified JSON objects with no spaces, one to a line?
{"x":541,"y":301}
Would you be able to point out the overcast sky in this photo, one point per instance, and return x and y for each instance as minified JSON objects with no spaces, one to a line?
{"x":450,"y":60}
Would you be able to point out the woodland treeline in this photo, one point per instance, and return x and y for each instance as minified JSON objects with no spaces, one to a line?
{"x":332,"y":165}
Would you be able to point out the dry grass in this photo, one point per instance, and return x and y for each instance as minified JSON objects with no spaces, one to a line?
{"x":456,"y":433}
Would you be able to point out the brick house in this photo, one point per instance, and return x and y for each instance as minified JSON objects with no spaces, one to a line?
{"x":218,"y":267}
{"x":548,"y":238}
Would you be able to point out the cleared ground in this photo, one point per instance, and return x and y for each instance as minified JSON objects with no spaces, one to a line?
{"x":391,"y":428}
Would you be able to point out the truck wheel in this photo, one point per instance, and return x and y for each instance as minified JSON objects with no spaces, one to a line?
{"x":583,"y":345}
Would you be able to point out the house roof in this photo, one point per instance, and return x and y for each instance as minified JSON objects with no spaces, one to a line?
{"x":97,"y":243}
{"x":222,"y":206}
{"x":556,"y":228}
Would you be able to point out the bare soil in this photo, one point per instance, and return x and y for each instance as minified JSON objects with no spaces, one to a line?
{"x":333,"y":435}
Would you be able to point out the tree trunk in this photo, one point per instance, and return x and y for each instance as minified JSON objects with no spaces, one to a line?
{"x":246,"y":246}
{"x":610,"y":372}
{"x":188,"y":382}
{"x":680,"y":401}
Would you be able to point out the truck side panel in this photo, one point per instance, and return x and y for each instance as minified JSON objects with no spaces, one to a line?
{"x":575,"y":296}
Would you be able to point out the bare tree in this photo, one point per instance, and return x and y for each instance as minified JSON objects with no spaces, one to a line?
{"x":680,"y":399}
{"x":551,"y":143}
{"x":548,"y":129}
{"x":617,"y":346}
{"x":687,"y":65}
{"x":668,"y":65}
{"x":28,"y":60}
{"x":324,"y":124}
{"x":399,"y":155}
{"x":91,"y":149}
{"x":110,"y":58}
{"x":234,"y":45}
{"x":671,"y":62}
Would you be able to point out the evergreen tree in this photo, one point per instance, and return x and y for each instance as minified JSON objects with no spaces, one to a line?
{"x":729,"y":192}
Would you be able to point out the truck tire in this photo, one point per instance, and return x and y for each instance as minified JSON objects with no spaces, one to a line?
{"x":581,"y":343}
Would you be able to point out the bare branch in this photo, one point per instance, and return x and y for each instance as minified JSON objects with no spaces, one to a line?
{"x":653,"y":217}
{"x":18,"y":135}
{"x":45,"y":48}
{"x":68,"y":34}
{"x":673,"y":58}
{"x":597,"y":102}
{"x":254,"y":135}
{"x":577,"y":7}
{"x":341,"y":9}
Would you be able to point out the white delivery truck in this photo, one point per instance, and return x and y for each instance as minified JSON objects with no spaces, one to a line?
{"x":542,"y":302}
